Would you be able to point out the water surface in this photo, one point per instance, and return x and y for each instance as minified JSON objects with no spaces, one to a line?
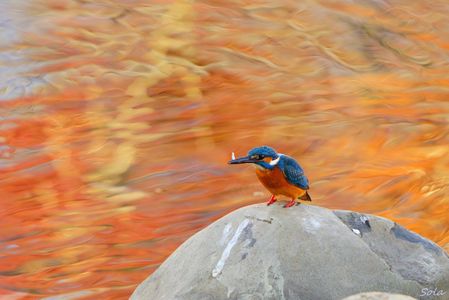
{"x":117,"y":119}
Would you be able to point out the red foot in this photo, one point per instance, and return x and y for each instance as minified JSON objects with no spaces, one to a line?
{"x":290,"y":204}
{"x":272,"y":200}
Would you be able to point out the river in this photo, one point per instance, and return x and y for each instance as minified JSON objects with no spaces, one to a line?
{"x":117,"y":119}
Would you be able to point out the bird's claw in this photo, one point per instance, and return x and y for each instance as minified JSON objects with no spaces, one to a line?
{"x":272,"y":200}
{"x":290,"y":204}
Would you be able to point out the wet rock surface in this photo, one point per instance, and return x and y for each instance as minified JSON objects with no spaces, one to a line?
{"x":306,"y":252}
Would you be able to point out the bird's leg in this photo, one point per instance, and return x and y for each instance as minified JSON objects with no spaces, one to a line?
{"x":272,"y":200}
{"x":291,"y":203}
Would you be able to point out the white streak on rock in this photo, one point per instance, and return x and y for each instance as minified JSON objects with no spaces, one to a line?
{"x":315,"y":223}
{"x":311,"y":224}
{"x":226,"y":232}
{"x":356,"y":231}
{"x":224,"y":256}
{"x":233,"y":155}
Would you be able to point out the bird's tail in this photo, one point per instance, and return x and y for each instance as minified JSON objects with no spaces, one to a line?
{"x":306,"y":197}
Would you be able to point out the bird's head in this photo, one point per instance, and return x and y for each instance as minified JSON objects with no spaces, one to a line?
{"x":264,"y":157}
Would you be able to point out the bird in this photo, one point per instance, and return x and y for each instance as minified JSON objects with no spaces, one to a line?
{"x":279,"y":173}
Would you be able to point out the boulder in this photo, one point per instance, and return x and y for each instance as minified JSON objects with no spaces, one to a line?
{"x":304,"y":252}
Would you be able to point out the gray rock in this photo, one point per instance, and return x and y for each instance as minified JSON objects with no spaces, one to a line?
{"x":305,"y":252}
{"x":378,"y":296}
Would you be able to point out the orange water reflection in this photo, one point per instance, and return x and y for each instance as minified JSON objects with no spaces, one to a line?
{"x":118,"y":118}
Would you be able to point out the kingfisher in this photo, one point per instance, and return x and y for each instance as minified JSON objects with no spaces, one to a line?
{"x":279,"y":173}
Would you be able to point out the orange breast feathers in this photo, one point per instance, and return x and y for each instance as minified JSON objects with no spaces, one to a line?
{"x":275,"y":182}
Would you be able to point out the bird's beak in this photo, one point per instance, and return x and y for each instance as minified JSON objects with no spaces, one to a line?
{"x":242,"y":160}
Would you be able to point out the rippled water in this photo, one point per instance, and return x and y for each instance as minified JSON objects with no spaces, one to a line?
{"x":117,"y":119}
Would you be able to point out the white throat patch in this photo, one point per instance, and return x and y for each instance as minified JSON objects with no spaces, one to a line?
{"x":275,"y":161}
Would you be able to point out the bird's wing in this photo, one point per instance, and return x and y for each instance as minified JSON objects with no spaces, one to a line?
{"x":294,"y":173}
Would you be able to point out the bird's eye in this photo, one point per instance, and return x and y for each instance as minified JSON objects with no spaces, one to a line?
{"x":257,"y":156}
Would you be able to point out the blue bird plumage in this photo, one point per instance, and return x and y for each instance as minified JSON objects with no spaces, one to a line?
{"x":293,"y":172}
